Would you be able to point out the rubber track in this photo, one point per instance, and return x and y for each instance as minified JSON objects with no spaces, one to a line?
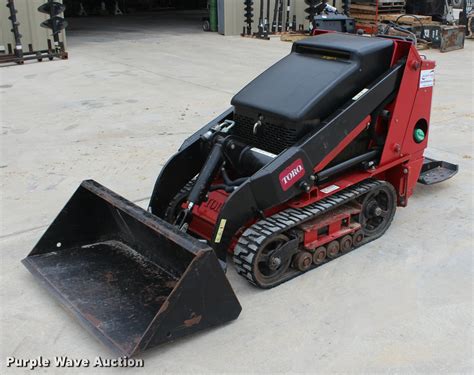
{"x":255,"y":235}
{"x":184,"y":192}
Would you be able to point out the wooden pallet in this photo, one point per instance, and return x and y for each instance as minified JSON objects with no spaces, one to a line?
{"x":372,"y":9}
{"x":406,"y":20}
{"x":382,"y":3}
{"x":363,"y":16}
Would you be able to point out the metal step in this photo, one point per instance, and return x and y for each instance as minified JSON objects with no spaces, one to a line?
{"x":434,"y":171}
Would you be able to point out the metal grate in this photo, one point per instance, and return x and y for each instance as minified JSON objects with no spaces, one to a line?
{"x":272,"y":138}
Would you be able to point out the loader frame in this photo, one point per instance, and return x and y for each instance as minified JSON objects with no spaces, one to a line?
{"x":399,"y":162}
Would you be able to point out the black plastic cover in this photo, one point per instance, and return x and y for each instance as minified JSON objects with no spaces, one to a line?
{"x":318,"y":76}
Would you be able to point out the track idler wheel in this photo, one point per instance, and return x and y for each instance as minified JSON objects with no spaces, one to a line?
{"x":378,"y":209}
{"x":303,"y":261}
{"x":268,"y":269}
{"x":320,"y":255}
{"x":333,"y":249}
{"x":345,"y":244}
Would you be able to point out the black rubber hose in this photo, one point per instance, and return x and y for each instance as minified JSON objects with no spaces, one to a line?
{"x":229,"y":182}
{"x":415,"y":17}
{"x":410,"y":15}
{"x":399,"y":28}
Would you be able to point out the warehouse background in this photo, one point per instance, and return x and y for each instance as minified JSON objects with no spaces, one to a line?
{"x":234,"y":14}
{"x":30,"y":19}
{"x":230,"y":16}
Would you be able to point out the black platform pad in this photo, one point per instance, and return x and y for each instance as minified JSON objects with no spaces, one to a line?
{"x":435,"y":171}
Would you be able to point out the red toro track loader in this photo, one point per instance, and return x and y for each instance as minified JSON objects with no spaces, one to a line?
{"x":309,"y":163}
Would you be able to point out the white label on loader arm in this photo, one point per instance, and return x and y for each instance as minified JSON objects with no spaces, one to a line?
{"x":427,"y":78}
{"x":359,"y":95}
{"x":330,"y":189}
{"x":263,"y":152}
{"x":220,"y":230}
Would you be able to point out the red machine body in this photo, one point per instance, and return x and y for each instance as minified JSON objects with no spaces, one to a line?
{"x":401,"y":160}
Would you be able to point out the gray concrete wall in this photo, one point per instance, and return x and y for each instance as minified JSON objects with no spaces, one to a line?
{"x":234,"y":14}
{"x":30,"y":29}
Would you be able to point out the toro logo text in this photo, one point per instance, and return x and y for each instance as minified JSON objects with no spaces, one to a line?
{"x":292,"y":174}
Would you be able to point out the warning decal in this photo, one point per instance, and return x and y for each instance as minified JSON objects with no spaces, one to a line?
{"x":220,"y":231}
{"x":427,"y":78}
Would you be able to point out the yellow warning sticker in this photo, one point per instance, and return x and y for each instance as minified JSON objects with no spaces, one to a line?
{"x":220,"y":230}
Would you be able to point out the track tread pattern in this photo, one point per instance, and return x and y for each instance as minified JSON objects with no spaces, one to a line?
{"x":183,"y":193}
{"x":252,"y":238}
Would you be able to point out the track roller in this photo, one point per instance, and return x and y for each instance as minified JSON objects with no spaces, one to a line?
{"x":345,"y":244}
{"x":319,"y":255}
{"x":333,"y":249}
{"x":303,"y":261}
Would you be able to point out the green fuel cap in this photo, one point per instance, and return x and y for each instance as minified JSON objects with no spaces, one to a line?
{"x":419,"y":135}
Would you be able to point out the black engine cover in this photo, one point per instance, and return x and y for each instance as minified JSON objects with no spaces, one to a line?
{"x":317,"y":77}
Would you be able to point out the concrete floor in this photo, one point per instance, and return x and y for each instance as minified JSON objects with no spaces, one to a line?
{"x":123,"y":103}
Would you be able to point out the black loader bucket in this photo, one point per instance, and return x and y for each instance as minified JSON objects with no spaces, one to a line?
{"x":131,"y":279}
